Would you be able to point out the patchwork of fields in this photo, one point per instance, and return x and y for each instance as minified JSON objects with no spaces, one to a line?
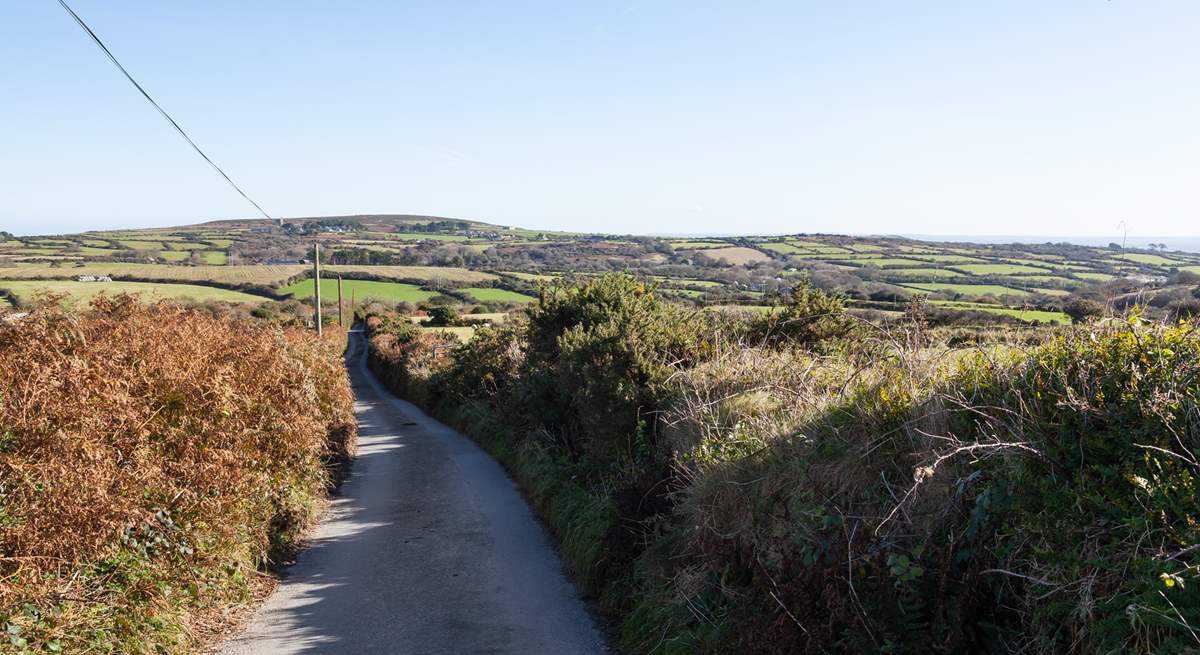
{"x":416,"y":258}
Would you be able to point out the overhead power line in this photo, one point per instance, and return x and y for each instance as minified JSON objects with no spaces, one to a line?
{"x":162,"y":111}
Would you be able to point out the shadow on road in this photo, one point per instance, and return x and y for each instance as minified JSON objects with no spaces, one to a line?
{"x":428,"y":549}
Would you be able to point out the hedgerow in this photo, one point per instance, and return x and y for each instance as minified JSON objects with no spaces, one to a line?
{"x":152,"y":460}
{"x":847,"y":488}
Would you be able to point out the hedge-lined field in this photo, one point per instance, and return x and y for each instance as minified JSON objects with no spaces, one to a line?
{"x":76,"y":292}
{"x":492,"y":294}
{"x":261,"y":275}
{"x":360,"y":291}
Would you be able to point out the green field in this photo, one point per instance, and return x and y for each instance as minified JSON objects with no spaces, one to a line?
{"x":1153,"y":260}
{"x":360,"y":290}
{"x":1042,"y":279}
{"x":1022,"y":314}
{"x":174,"y":255}
{"x":781,"y":248}
{"x":998,"y":269}
{"x":419,"y":273}
{"x":888,"y":261}
{"x":490,"y":294}
{"x":850,"y":257}
{"x":214,"y":257}
{"x":91,"y":251}
{"x":141,"y":245}
{"x":923,"y":272}
{"x":84,"y":291}
{"x":952,"y":259}
{"x":967,"y":289}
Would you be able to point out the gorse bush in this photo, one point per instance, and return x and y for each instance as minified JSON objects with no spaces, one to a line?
{"x":488,"y":366}
{"x":809,"y":317}
{"x":597,"y":363}
{"x":808,"y":483}
{"x":152,"y":457}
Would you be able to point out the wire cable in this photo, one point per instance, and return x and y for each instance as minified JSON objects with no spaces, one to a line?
{"x":162,"y":111}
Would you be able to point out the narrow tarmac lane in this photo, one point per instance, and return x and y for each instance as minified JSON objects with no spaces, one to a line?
{"x":429,"y":548}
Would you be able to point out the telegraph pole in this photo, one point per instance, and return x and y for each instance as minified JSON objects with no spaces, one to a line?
{"x":341,"y":323}
{"x":317,"y":283}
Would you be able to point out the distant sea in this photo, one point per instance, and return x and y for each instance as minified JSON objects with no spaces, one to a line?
{"x":1185,"y":244}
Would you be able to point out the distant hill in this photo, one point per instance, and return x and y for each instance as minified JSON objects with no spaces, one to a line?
{"x":373,"y":220}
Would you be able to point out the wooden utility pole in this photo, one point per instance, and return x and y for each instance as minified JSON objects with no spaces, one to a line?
{"x":341,"y":323}
{"x":317,"y":283}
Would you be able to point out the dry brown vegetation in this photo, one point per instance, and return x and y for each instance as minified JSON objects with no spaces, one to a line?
{"x":151,"y":459}
{"x":233,"y":275}
{"x":736,"y":255}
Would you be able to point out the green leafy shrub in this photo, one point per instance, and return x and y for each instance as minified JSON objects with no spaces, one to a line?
{"x":848,"y":490}
{"x":810,"y":316}
{"x":1101,"y":511}
{"x":1081,"y":310}
{"x":442,"y":315}
{"x":598,"y":359}
{"x":488,"y":366}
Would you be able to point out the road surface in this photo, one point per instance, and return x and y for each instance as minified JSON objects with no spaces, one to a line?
{"x":429,"y":548}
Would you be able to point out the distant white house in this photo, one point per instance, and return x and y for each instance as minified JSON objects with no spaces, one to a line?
{"x":1147,"y":279}
{"x":93,"y":278}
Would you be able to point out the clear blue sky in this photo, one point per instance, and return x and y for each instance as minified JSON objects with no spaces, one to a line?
{"x":1014,"y":117}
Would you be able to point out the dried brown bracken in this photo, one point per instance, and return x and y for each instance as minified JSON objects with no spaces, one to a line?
{"x":150,"y":457}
